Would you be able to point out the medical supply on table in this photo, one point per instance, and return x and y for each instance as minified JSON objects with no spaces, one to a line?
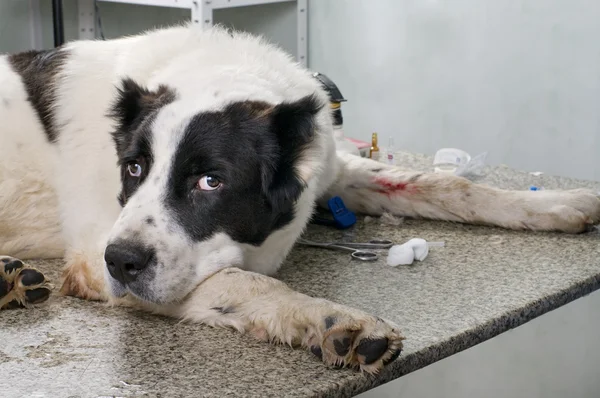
{"x":390,"y":152}
{"x":357,"y":250}
{"x":407,"y":253}
{"x":448,"y":160}
{"x":363,"y":146}
{"x":342,"y":144}
{"x":342,"y":218}
{"x":458,"y":162}
{"x":374,"y":152}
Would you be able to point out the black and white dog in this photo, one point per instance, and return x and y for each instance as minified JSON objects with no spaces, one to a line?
{"x":174,"y":170}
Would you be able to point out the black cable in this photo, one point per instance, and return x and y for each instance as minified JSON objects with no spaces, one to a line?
{"x":99,"y":20}
{"x":58,"y":23}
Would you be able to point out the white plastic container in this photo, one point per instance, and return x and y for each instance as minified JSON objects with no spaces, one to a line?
{"x":448,"y":160}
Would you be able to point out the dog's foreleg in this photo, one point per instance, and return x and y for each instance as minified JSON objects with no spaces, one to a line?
{"x":269,"y":310}
{"x":373,"y":188}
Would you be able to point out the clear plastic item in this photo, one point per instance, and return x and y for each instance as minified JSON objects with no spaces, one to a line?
{"x":458,"y":162}
{"x":390,"y":152}
{"x":342,"y":144}
{"x":448,"y":160}
{"x":473,"y":168}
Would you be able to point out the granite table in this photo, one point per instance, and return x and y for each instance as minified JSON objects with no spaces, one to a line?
{"x":482,"y":283}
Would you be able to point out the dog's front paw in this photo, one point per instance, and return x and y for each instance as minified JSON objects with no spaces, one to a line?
{"x":21,"y":285}
{"x":366,"y":342}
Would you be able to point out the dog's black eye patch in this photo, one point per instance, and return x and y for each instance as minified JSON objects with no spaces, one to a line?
{"x":253,"y":148}
{"x":134,"y":110}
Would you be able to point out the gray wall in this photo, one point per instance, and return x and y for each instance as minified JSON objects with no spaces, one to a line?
{"x":517,"y":78}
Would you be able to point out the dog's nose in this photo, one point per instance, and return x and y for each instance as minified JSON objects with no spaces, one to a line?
{"x":126,"y":260}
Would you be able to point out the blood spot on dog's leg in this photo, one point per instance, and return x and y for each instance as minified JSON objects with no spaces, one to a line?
{"x":388,"y":187}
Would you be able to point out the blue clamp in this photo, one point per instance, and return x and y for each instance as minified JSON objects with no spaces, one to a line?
{"x":342,"y":217}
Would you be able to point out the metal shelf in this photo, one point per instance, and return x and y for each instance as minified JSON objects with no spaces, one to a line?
{"x":201,"y":13}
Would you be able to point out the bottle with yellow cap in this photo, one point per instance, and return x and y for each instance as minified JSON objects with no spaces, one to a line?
{"x":374,"y":152}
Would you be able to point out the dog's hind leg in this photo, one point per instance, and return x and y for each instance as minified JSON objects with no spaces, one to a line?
{"x":269,"y":310}
{"x":373,"y":188}
{"x":29,"y":216}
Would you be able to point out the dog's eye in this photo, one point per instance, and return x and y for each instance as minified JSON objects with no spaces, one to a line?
{"x":209,"y":183}
{"x":135,"y":170}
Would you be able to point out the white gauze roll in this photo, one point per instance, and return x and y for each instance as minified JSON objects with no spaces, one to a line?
{"x":420,"y":248}
{"x":400,"y":255}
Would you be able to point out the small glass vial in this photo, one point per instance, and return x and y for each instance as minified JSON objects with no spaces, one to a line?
{"x":374,"y":152}
{"x":390,"y":152}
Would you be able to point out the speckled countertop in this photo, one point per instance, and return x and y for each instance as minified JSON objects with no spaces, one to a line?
{"x":482,"y":283}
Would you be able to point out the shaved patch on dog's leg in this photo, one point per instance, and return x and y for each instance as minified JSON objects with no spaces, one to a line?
{"x":81,"y":280}
{"x":270,"y":311}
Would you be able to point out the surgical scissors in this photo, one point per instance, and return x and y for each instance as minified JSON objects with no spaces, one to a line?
{"x":354,"y":248}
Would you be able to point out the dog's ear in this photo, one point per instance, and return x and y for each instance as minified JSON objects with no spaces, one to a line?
{"x":133,"y":105}
{"x":293,"y":125}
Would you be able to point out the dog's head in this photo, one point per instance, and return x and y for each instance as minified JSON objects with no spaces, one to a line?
{"x":199,"y":186}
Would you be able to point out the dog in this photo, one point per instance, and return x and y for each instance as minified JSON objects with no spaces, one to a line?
{"x":174,"y":171}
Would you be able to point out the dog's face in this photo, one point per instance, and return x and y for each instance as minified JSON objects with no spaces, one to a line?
{"x":199,"y":186}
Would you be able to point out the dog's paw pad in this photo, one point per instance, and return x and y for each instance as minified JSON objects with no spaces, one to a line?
{"x":11,"y":264}
{"x":21,"y":285}
{"x":37,"y":296}
{"x":370,"y":350}
{"x":317,"y":351}
{"x":30,"y":277}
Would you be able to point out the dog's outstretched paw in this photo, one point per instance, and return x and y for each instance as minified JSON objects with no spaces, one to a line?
{"x":368,"y":343}
{"x":21,"y":285}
